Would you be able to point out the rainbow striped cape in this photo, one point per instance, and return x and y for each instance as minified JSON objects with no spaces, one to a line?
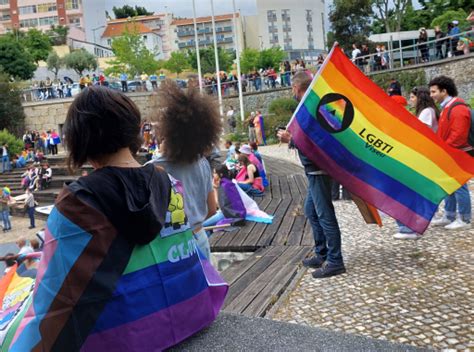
{"x":97,"y":292}
{"x":380,"y":152}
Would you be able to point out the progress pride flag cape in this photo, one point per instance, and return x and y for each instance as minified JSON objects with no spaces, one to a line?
{"x":380,"y":152}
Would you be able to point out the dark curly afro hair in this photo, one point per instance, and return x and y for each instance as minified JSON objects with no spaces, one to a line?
{"x":189,"y":123}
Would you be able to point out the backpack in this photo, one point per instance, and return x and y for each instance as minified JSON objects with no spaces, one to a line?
{"x":470,"y":137}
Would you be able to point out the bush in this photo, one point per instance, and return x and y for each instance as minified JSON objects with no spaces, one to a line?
{"x":408,"y":80}
{"x":12,"y":116}
{"x":280,"y":112}
{"x":15,"y":145}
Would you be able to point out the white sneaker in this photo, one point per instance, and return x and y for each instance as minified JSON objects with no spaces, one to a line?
{"x":406,"y":236}
{"x":458,"y":224}
{"x":441,"y":221}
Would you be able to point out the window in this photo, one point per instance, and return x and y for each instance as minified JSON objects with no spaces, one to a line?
{"x":271,"y":15}
{"x":309,"y":15}
{"x":31,"y":22}
{"x":72,"y":4}
{"x":25,"y":10}
{"x":48,"y":7}
{"x":309,"y":28}
{"x":285,"y":15}
{"x":48,"y":21}
{"x":75,"y":21}
{"x":4,"y":2}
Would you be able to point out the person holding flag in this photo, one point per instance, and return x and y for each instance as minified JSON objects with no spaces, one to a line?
{"x":318,"y":205}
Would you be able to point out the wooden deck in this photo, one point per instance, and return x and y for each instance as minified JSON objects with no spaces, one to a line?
{"x":257,"y":283}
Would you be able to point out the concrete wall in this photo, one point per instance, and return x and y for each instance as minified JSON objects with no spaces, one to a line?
{"x":52,"y":114}
{"x":460,"y":68}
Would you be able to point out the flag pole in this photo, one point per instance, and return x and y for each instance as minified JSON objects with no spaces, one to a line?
{"x":219,"y":92}
{"x":198,"y":56}
{"x":237,"y":57}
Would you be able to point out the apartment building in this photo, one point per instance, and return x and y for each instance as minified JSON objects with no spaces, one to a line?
{"x":84,"y":17}
{"x":183,"y":32}
{"x":295,"y":26}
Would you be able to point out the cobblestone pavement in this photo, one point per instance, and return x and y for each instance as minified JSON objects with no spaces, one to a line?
{"x":414,"y":292}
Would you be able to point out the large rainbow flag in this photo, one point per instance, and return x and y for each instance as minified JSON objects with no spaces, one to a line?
{"x":95,"y":291}
{"x":373,"y":146}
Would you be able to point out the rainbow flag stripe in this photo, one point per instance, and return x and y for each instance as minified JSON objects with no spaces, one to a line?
{"x":95,"y":291}
{"x":373,"y":146}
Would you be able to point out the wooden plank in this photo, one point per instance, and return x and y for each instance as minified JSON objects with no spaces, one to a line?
{"x":308,"y":239}
{"x":254,"y":236}
{"x":254,"y":289}
{"x":296,"y":233}
{"x":235,"y":290}
{"x":275,"y":187}
{"x":239,"y":239}
{"x":294,"y":191}
{"x":234,"y":272}
{"x":274,"y":229}
{"x":301,"y":184}
{"x":277,"y":285}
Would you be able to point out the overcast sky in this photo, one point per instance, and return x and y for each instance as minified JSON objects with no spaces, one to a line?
{"x":184,"y":8}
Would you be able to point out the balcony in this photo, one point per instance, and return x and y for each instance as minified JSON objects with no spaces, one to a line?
{"x":185,"y":33}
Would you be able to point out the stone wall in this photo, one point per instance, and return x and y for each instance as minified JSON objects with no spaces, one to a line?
{"x":460,"y":68}
{"x":51,"y":114}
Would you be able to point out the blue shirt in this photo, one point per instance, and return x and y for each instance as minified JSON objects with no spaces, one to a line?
{"x":123,"y":77}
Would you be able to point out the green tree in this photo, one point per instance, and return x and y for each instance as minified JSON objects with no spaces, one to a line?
{"x":390,"y":13}
{"x":249,"y":60}
{"x":131,"y":54}
{"x":208,"y":61}
{"x":449,"y":16}
{"x":128,"y":11}
{"x":58,"y":34}
{"x":38,"y":44}
{"x":80,"y":60}
{"x":54,"y":63}
{"x":177,"y":62}
{"x":350,"y":21}
{"x":271,"y":57}
{"x":15,"y":60}
{"x":12,"y":116}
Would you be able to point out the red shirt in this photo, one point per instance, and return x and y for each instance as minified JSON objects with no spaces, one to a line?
{"x":455,"y":130}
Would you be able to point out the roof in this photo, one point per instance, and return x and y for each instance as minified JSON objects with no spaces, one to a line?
{"x":186,"y":21}
{"x":137,"y":18}
{"x":117,"y":29}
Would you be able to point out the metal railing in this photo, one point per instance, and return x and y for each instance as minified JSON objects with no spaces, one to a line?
{"x":425,"y":52}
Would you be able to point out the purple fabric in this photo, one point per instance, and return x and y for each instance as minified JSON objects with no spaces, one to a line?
{"x":167,"y":327}
{"x":233,"y":197}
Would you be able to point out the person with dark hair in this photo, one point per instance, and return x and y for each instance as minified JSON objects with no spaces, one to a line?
{"x":394,"y":88}
{"x":189,"y":126}
{"x":5,"y":200}
{"x":30,"y":205}
{"x":428,"y":113}
{"x":251,"y":182}
{"x":318,"y":206}
{"x":453,"y":127}
{"x":118,"y":239}
{"x":439,"y":36}
{"x":9,"y":262}
{"x":423,"y":46}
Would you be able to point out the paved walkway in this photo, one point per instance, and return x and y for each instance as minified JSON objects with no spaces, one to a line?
{"x":413,"y":292}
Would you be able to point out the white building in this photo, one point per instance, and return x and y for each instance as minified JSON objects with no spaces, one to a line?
{"x":297,"y":26}
{"x":183,"y":32}
{"x":151,"y":39}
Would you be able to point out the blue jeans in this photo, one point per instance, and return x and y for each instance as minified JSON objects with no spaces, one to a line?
{"x":5,"y":163}
{"x":403,"y":229}
{"x":6,"y":220}
{"x":319,"y":210}
{"x":247,"y":188}
{"x":460,"y":201}
{"x":31,"y":214}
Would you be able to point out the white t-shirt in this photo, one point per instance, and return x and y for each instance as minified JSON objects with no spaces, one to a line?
{"x":26,"y":250}
{"x":428,"y":117}
{"x":355,"y":52}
